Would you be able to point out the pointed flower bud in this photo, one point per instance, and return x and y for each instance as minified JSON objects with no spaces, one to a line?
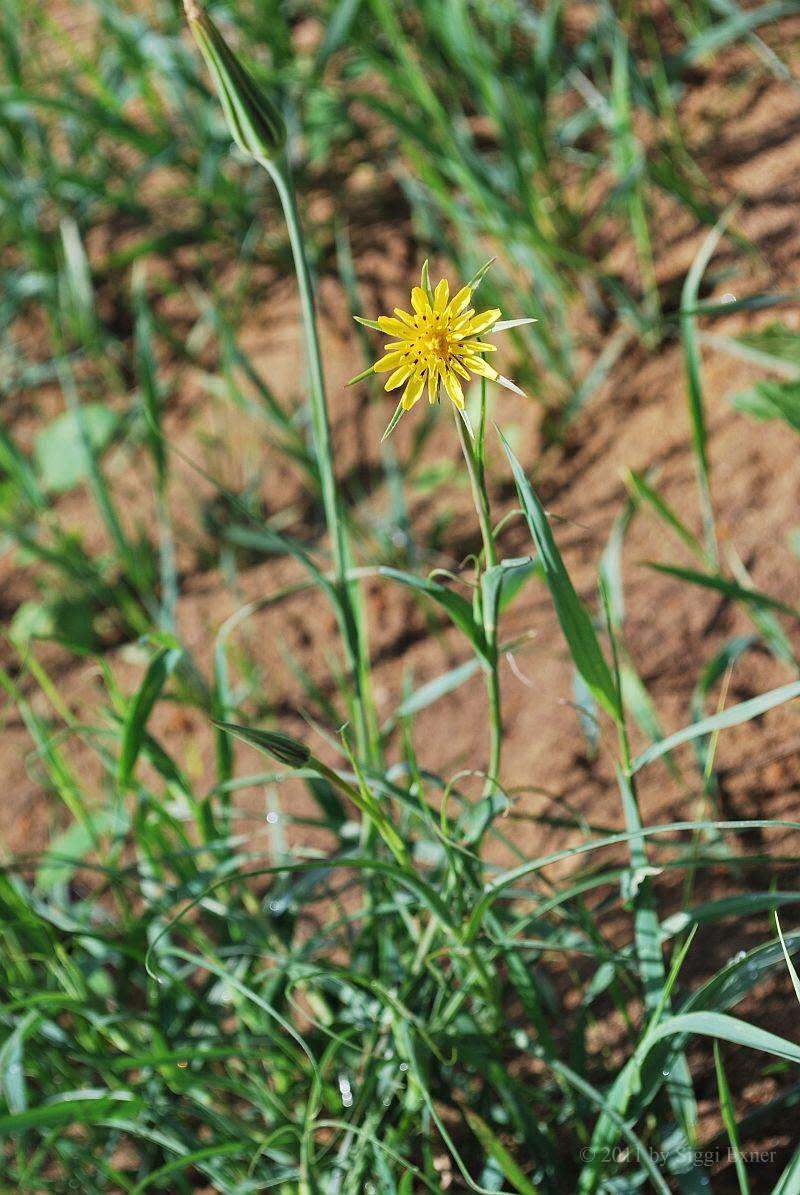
{"x":255,"y":123}
{"x":283,"y":747}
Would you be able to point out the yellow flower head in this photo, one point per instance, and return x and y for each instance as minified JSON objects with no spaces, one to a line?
{"x":437,"y":344}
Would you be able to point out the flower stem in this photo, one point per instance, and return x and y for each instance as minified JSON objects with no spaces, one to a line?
{"x":474,"y":457}
{"x":351,"y":606}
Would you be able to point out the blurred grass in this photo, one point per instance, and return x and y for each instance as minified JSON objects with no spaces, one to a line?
{"x":392,"y":1013}
{"x":507,"y":130}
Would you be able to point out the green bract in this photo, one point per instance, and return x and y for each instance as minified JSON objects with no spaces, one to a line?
{"x":283,"y":747}
{"x":255,"y":123}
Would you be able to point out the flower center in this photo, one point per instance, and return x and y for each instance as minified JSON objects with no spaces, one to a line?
{"x":435,"y":342}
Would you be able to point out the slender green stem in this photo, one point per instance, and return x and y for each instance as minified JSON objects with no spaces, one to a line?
{"x":478,"y":481}
{"x":496,"y":727}
{"x":319,"y":409}
{"x":646,"y":927}
{"x":473,"y":455}
{"x":353,"y":617}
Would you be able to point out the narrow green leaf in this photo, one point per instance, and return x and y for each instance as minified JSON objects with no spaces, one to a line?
{"x":770,"y":399}
{"x":732,"y":716}
{"x":479,"y":275}
{"x":150,"y":390}
{"x":16,"y":465}
{"x":12,"y":1070}
{"x":792,"y":971}
{"x":140,"y":707}
{"x":722,"y":585}
{"x":365,"y":373}
{"x":426,"y":694}
{"x":724,"y":1028}
{"x":456,"y":606}
{"x":694,"y":386}
{"x":505,"y":325}
{"x":189,"y":1159}
{"x":789,"y":1181}
{"x":495,"y":1149}
{"x":575,"y":622}
{"x":63,"y":1112}
{"x":644,"y":490}
{"x":502,"y":583}
{"x":393,"y":422}
{"x":368,"y":323}
{"x":729,"y":1119}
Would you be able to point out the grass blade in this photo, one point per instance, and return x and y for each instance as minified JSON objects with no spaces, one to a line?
{"x":732,"y":716}
{"x":139,"y":709}
{"x":575,"y":622}
{"x":729,"y":1120}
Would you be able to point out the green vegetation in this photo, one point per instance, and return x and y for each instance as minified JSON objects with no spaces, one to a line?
{"x":186,"y":1006}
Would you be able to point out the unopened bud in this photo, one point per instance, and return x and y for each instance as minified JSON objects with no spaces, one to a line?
{"x":283,"y":747}
{"x":255,"y":123}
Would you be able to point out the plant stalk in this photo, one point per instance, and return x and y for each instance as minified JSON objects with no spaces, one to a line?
{"x":353,"y":616}
{"x":474,"y":457}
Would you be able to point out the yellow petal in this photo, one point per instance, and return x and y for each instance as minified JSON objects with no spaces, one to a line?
{"x":405,"y":316}
{"x":476,"y":346}
{"x":441,"y":295}
{"x":459,"y":368}
{"x":459,"y":302}
{"x":420,"y":301}
{"x":463,"y":319}
{"x":481,"y":367}
{"x":453,"y":388}
{"x":390,"y":361}
{"x":483,"y":321}
{"x":398,"y":377}
{"x":413,"y":391}
{"x":393,"y":327}
{"x":433,"y":382}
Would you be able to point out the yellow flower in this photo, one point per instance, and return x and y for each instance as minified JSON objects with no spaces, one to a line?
{"x":437,"y":344}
